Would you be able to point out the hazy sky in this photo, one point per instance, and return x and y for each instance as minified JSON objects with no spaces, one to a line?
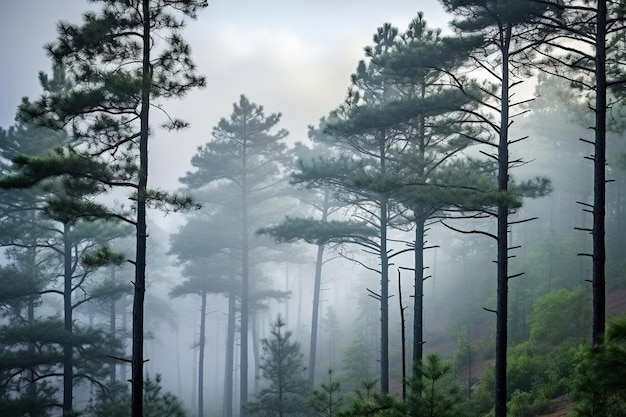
{"x":291,"y":56}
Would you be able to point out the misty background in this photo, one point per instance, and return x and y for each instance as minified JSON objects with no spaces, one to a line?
{"x":295,"y":58}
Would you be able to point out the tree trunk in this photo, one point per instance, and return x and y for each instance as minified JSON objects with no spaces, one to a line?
{"x":245,"y":290}
{"x":140,"y":260}
{"x":316,"y":297}
{"x":599,"y":182}
{"x":230,"y":356}
{"x":30,"y":311}
{"x":418,"y":299}
{"x":502,"y":234}
{"x":256,"y":352}
{"x":68,"y":365}
{"x":201,"y":355}
{"x":112,"y":329}
{"x":403,"y":337}
{"x":384,"y":301}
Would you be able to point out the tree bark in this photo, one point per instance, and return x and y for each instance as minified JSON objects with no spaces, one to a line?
{"x":230,"y":357}
{"x":201,"y":355}
{"x":245,"y":288}
{"x":418,"y":299}
{"x":384,"y":284}
{"x":502,"y":234}
{"x":599,"y":182}
{"x":68,"y":365}
{"x":316,"y":297}
{"x":140,"y":260}
{"x":112,"y":327}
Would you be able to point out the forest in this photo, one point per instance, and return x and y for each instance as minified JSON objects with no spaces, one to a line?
{"x":445,"y":241}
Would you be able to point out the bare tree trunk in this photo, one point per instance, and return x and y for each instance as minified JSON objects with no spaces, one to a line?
{"x":201,"y":355}
{"x":245,"y":291}
{"x":317,"y":285}
{"x":384,"y":301}
{"x":418,"y":299}
{"x":68,"y":364}
{"x":112,"y":329}
{"x":256,"y":351}
{"x":230,"y":357}
{"x":599,"y":182}
{"x":502,"y":234}
{"x":140,"y":260}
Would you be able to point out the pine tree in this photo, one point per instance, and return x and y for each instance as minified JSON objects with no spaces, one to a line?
{"x":246,"y":157}
{"x":507,"y":30}
{"x":327,"y":399}
{"x":64,"y":211}
{"x":286,"y":391}
{"x":123,"y":60}
{"x":428,"y":112}
{"x":321,"y":230}
{"x":433,"y":392}
{"x":362,"y":175}
{"x":594,"y":65}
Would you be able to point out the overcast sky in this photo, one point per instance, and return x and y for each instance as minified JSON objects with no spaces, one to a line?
{"x":291,"y":56}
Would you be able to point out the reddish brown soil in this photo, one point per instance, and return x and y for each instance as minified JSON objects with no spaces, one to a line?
{"x":563,"y":407}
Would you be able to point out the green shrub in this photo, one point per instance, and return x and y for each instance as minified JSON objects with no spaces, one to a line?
{"x":524,"y":404}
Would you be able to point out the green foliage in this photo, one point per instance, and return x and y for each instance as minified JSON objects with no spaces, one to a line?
{"x":433,"y":391}
{"x":156,"y":402}
{"x":28,"y":403}
{"x":561,"y":315}
{"x":319,"y":232}
{"x":327,"y":399}
{"x":542,"y":371}
{"x":483,"y":396}
{"x":524,"y":366}
{"x":463,"y":353}
{"x":598,"y":385}
{"x":102,"y":256}
{"x":357,"y":359}
{"x":286,"y":389}
{"x":524,"y":404}
{"x":368,"y":402}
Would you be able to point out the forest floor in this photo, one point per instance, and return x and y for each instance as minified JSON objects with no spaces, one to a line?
{"x":563,"y":407}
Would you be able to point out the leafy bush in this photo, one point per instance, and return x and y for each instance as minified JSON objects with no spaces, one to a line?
{"x":561,"y":315}
{"x":523,"y":404}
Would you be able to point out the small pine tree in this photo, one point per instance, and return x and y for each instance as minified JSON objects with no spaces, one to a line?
{"x":369,"y":402}
{"x":328,"y":399}
{"x":432,"y":391}
{"x":283,"y":371}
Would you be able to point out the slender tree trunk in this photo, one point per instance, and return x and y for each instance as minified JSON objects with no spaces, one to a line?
{"x":245,"y":289}
{"x":68,"y":365}
{"x":230,"y":357}
{"x":502,"y":233}
{"x":124,"y":365}
{"x":418,"y":212}
{"x":30,"y":311}
{"x":112,"y":327}
{"x":317,"y":286}
{"x":201,"y":355}
{"x":599,"y":182}
{"x":418,"y":299}
{"x":140,"y":260}
{"x":384,"y":282}
{"x":256,"y":354}
{"x":403,"y":331}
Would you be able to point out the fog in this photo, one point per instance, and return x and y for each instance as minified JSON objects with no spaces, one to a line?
{"x":279,"y":57}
